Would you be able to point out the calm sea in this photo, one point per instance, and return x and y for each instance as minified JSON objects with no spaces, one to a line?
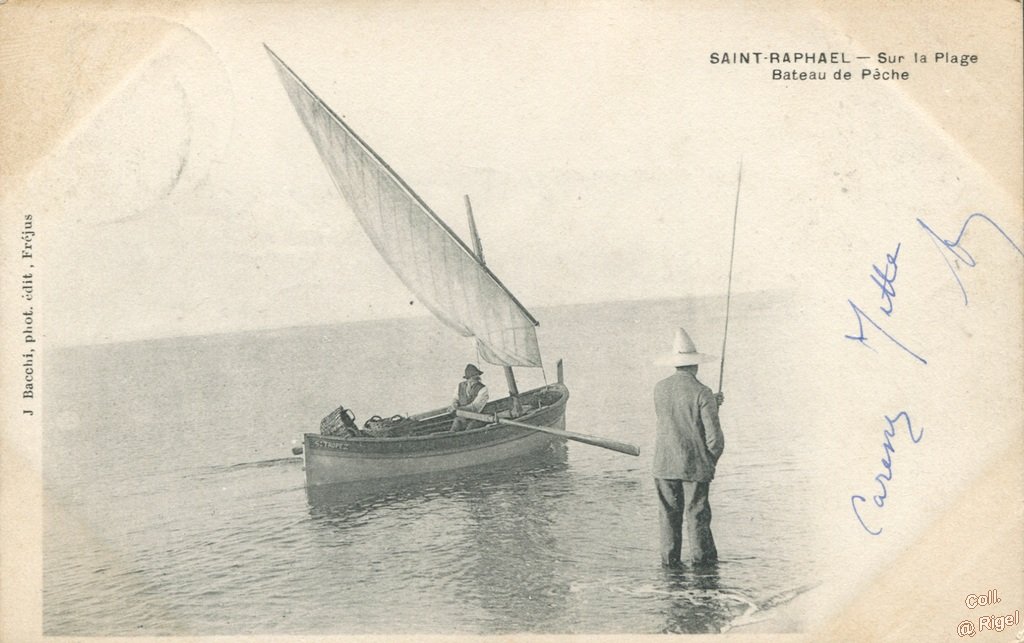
{"x":174,"y":506}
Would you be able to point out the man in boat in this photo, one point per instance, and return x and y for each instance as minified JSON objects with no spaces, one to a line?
{"x":688,"y":446}
{"x":471,"y":395}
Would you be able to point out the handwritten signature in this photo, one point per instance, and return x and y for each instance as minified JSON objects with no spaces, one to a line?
{"x":885,"y":280}
{"x":955,"y":255}
{"x":885,"y":476}
{"x":953,"y":248}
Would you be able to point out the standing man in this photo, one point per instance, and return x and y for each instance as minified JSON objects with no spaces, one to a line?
{"x":471,"y":395}
{"x":688,"y":446}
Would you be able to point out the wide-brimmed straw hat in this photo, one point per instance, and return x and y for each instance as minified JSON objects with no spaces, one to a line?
{"x":472,"y":371}
{"x":684,"y":352}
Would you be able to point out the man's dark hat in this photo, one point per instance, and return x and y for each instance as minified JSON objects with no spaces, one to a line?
{"x":472,"y":371}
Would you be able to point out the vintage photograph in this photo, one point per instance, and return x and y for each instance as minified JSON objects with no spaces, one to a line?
{"x":341,"y":319}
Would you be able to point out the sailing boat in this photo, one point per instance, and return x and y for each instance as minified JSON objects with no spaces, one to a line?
{"x":454,"y":283}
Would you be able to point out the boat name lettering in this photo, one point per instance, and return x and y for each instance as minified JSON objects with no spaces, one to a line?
{"x":326,"y":444}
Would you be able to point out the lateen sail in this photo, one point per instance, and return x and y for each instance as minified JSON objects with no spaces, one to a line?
{"x":424,"y":252}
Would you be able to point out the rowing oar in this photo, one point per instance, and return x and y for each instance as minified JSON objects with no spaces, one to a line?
{"x":621,"y":447}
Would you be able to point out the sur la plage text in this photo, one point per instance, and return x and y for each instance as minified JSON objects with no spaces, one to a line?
{"x":886,"y":70}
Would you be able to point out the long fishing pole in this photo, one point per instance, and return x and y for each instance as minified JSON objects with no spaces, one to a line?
{"x":728,"y":296}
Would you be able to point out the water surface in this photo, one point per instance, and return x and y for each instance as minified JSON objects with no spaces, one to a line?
{"x":173,"y":505}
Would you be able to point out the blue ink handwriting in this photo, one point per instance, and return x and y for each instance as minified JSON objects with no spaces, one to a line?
{"x":885,"y":280}
{"x":885,"y":476}
{"x":958,"y":252}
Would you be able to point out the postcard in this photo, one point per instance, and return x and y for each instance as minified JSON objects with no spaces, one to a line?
{"x":513,"y":321}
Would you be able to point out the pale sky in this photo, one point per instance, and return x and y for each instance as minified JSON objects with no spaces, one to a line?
{"x":599,"y":146}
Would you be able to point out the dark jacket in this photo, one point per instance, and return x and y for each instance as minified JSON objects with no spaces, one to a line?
{"x":690,"y":439}
{"x":467,"y":391}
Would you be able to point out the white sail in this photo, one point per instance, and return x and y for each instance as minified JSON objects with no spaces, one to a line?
{"x":421,"y":249}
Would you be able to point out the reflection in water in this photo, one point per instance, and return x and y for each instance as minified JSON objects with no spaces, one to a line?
{"x":485,"y":536}
{"x":515,"y":550}
{"x":693,"y":601}
{"x":337,"y":499}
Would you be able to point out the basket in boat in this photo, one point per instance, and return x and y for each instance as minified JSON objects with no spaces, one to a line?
{"x":394,"y":426}
{"x":341,"y":421}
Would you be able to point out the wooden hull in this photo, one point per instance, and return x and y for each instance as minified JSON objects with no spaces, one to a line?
{"x":334,"y":460}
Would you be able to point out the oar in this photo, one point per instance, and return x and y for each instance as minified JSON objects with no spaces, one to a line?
{"x":621,"y":447}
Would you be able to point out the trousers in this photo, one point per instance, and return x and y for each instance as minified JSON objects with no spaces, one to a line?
{"x":684,"y":501}
{"x":462,"y":424}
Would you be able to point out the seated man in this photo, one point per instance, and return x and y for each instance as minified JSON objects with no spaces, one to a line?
{"x":471,"y":395}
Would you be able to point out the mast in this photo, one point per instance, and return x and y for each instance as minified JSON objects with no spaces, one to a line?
{"x":510,"y":378}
